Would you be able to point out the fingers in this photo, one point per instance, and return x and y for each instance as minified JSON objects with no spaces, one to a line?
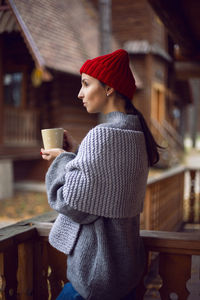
{"x":45,"y":154}
{"x":51,"y":153}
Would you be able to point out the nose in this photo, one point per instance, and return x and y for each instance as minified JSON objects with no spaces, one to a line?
{"x":80,"y":94}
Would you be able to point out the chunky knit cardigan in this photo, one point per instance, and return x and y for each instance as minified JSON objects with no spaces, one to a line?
{"x":99,"y":195}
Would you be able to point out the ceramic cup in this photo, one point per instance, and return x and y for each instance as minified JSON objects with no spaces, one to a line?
{"x":52,"y":138}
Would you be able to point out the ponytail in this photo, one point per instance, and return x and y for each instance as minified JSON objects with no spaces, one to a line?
{"x":151,"y":145}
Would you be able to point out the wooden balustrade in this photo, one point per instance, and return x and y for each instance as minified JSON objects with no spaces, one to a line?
{"x":163,"y":206}
{"x":30,"y":269}
{"x":21,"y":127}
{"x":173,"y":266}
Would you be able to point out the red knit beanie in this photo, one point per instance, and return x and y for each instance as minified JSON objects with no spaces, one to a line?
{"x":112,"y":69}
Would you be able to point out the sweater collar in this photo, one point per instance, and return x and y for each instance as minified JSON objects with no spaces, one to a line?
{"x":131,"y":121}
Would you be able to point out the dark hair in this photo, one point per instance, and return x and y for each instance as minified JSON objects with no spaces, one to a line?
{"x":151,"y":145}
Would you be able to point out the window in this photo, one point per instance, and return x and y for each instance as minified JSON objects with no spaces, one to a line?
{"x":13,"y":89}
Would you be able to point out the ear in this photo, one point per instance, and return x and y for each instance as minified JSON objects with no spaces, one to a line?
{"x":109,"y":90}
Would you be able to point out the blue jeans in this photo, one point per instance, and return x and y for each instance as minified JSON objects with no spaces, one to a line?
{"x":69,"y":293}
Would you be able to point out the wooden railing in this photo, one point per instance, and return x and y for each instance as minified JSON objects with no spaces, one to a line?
{"x":173,"y":266}
{"x":172,"y":199}
{"x":21,"y":127}
{"x":163,"y":206}
{"x":31,"y":269}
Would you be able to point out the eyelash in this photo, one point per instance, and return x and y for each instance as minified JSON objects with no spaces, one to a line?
{"x":85,"y":83}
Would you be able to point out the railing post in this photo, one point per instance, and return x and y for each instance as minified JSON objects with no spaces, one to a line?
{"x":2,"y":277}
{"x":191,"y":218}
{"x":8,"y":273}
{"x":25,"y":270}
{"x":174,"y":266}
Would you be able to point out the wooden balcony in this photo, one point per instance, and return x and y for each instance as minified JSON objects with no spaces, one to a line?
{"x":31,"y":269}
{"x":21,"y":127}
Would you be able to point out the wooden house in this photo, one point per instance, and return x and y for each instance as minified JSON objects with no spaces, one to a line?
{"x":182,"y":22}
{"x":42,"y":47}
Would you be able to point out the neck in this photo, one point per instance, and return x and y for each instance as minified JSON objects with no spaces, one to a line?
{"x":114,"y":104}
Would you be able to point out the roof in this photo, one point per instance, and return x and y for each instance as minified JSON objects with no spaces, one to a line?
{"x":183,"y":23}
{"x":60,"y":34}
{"x":144,"y":47}
{"x":7,"y":21}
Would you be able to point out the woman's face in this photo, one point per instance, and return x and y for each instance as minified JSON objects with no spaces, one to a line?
{"x":93,"y":94}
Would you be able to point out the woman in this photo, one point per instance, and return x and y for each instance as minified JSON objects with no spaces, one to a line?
{"x":99,"y":189}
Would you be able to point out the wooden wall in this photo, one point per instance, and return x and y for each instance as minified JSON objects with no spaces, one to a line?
{"x":56,"y":102}
{"x":136,"y":21}
{"x":59,"y":107}
{"x":65,"y":109}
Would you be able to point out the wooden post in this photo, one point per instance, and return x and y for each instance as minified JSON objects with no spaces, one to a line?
{"x":10,"y":272}
{"x":1,"y":92}
{"x":2,"y":277}
{"x":171,"y":266}
{"x":105,"y":25}
{"x":147,"y":208}
{"x":25,"y":272}
{"x":40,"y":285}
{"x":192,"y":197}
{"x":195,"y":85}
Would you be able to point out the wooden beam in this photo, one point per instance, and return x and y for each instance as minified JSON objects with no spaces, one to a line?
{"x":1,"y":92}
{"x":187,"y":70}
{"x":172,"y":241}
{"x":171,"y":14}
{"x":27,"y":36}
{"x":30,"y":43}
{"x":4,"y":7}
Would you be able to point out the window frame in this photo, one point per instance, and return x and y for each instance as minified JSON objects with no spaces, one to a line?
{"x":17,"y":69}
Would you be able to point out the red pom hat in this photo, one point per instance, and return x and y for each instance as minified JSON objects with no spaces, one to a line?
{"x":112,"y":69}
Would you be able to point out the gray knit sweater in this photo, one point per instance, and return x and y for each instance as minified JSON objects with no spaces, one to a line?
{"x":99,"y":195}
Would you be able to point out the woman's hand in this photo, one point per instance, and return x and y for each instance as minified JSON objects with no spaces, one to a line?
{"x":69,"y":143}
{"x":51,"y":153}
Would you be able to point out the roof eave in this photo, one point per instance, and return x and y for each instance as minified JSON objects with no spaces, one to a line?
{"x":32,"y":47}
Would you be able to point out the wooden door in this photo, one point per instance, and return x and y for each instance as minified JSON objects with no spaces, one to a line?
{"x":158,"y":103}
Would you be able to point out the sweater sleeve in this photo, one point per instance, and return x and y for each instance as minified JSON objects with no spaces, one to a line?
{"x":107,"y":177}
{"x":55,"y":181}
